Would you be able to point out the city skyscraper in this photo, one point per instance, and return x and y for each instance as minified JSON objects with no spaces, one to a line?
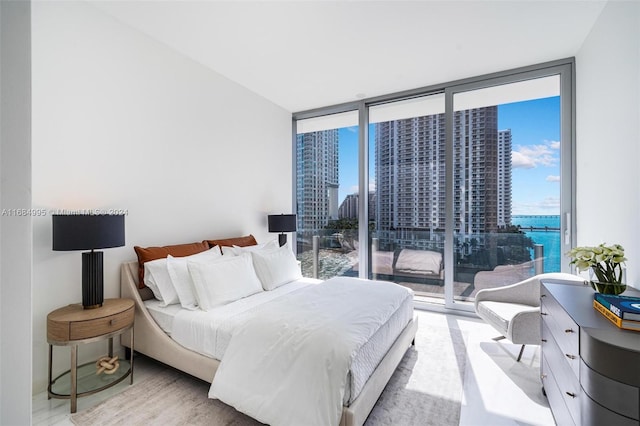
{"x":409,"y":204}
{"x":317,"y":179}
{"x":349,"y":208}
{"x":504,"y":177}
{"x":409,"y":158}
{"x":410,"y":178}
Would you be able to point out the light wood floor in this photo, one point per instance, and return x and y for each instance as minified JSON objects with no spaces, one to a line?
{"x":497,"y":389}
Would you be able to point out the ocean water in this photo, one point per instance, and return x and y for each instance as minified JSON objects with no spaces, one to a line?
{"x":550,"y":238}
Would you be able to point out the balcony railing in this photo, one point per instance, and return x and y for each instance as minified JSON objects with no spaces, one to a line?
{"x":416,"y":258}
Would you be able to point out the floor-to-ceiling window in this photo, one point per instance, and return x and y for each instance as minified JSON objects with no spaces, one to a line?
{"x":468,"y":184}
{"x":506,"y":183}
{"x":327,"y":188}
{"x":407,"y":144}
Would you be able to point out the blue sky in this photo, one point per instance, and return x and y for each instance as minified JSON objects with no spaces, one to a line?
{"x":535,"y":129}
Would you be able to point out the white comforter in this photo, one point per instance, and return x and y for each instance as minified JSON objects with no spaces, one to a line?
{"x":288,"y":364}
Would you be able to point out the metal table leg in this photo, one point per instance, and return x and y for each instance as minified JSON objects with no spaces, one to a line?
{"x":74,"y":378}
{"x":50,"y":365}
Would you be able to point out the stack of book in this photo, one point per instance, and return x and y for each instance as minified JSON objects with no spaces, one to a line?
{"x":623,"y":311}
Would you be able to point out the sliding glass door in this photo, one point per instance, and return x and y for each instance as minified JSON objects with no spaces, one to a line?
{"x":446,"y":190}
{"x":507,"y":150}
{"x":407,"y":141}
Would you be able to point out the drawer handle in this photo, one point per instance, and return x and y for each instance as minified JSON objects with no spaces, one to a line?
{"x":570,"y":356}
{"x":543,"y":313}
{"x":112,"y":322}
{"x":569,"y":330}
{"x":544,"y":340}
{"x":543,"y":295}
{"x":543,"y":376}
{"x":571,"y":394}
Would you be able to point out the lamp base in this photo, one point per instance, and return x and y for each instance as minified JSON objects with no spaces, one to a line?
{"x":282,"y":239}
{"x":92,"y":280}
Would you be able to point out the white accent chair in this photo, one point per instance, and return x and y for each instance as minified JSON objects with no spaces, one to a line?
{"x":514,"y":310}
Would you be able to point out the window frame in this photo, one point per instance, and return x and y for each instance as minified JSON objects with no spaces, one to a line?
{"x":565,"y":68}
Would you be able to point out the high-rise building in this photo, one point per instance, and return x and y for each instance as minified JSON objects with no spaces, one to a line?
{"x":504,"y":177}
{"x":409,"y":158}
{"x":410,"y":178}
{"x":349,"y":208}
{"x":317,"y":179}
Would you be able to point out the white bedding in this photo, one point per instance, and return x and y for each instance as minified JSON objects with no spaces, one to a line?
{"x":270,"y":368}
{"x":208,"y":333}
{"x":163,"y":315}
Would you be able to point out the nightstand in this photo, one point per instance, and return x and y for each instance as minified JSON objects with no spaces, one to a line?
{"x":72,"y":326}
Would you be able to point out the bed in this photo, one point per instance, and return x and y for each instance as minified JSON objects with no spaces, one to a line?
{"x":155,"y":331}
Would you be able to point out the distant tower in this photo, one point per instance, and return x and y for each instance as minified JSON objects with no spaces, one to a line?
{"x":410,"y":177}
{"x":475,"y":141}
{"x":504,"y":177}
{"x":349,"y":209}
{"x":317,"y":179}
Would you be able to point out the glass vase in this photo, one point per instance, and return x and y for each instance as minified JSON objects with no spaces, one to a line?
{"x":608,"y":288}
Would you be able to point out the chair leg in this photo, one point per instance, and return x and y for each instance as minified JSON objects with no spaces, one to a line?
{"x":520,"y":354}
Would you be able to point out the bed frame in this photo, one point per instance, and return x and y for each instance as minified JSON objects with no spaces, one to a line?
{"x":153,"y":342}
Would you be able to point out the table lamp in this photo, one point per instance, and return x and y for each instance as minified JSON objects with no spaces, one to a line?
{"x":89,"y":232}
{"x":282,"y":223}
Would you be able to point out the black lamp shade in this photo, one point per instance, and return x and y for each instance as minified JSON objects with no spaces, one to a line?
{"x":282,"y":223}
{"x":89,"y":232}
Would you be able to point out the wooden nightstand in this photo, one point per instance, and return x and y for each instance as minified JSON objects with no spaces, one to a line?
{"x":71,"y":326}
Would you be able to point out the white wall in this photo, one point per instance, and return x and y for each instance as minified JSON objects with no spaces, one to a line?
{"x":608,"y":133}
{"x":121,"y":121}
{"x":15,"y":230}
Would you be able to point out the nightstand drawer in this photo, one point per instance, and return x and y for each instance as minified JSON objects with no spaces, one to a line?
{"x":100,"y":326}
{"x":72,"y":322}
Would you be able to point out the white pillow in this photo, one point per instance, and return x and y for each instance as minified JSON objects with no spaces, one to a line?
{"x":223,"y":281}
{"x":181,"y":279}
{"x":156,"y":277}
{"x":227,"y":251}
{"x":237,"y":250}
{"x":276,"y":267}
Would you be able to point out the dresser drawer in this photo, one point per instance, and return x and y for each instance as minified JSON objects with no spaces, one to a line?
{"x":558,"y":407}
{"x":568,"y":384}
{"x":564,"y":330}
{"x":100,"y":326}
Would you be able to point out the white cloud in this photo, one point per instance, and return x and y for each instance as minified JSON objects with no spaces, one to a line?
{"x":530,"y":156}
{"x":521,"y":161}
{"x":553,"y":144}
{"x":553,"y":178}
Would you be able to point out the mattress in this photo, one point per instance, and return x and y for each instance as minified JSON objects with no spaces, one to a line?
{"x":209,"y":333}
{"x":372,"y":352}
{"x":163,"y":316}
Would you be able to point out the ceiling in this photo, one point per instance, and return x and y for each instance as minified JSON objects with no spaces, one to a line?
{"x":308,"y":54}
